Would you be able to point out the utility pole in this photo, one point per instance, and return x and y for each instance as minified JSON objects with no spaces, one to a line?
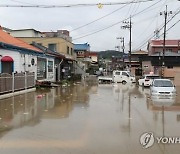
{"x":128,"y":25}
{"x":123,"y":47}
{"x":165,"y":13}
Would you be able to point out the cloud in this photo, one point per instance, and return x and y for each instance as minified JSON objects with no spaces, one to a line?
{"x":53,"y":19}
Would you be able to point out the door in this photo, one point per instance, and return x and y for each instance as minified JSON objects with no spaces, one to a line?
{"x":125,"y":77}
{"x":41,"y":69}
{"x":117,"y":76}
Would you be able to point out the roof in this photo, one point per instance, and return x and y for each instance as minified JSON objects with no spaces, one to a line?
{"x":27,"y":29}
{"x":93,"y":53}
{"x":140,"y":52}
{"x":84,"y":46}
{"x":167,"y":42}
{"x":8,"y":39}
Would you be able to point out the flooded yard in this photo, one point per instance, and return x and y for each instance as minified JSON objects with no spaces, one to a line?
{"x":87,"y":119}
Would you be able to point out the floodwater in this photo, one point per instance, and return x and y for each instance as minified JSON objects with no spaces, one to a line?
{"x":88,"y":119}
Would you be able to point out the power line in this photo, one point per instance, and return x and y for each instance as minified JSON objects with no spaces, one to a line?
{"x":95,"y":32}
{"x":99,"y":18}
{"x":112,"y":24}
{"x":151,"y":22}
{"x":74,"y":5}
{"x":143,"y":45}
{"x":152,"y":35}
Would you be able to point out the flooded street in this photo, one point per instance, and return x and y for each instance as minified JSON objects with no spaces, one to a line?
{"x":87,"y":119}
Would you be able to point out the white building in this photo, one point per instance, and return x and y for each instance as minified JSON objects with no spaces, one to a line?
{"x":18,"y":56}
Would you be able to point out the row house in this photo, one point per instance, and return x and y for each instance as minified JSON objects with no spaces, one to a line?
{"x":58,"y":42}
{"x":171,"y":56}
{"x":18,"y":59}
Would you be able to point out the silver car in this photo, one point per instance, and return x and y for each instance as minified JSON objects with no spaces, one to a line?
{"x":163,"y":87}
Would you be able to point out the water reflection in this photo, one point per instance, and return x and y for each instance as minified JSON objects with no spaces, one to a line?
{"x":30,"y":108}
{"x":125,"y":95}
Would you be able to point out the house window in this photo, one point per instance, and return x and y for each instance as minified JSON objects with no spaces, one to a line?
{"x":52,"y":47}
{"x":50,"y":66}
{"x":67,"y":50}
{"x":146,"y":66}
{"x":170,"y":67}
{"x":71,"y":51}
{"x":168,"y":50}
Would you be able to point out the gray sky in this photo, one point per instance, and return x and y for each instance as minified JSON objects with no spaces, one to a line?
{"x":51,"y":19}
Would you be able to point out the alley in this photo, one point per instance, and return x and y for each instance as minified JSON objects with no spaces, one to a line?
{"x":87,"y":119}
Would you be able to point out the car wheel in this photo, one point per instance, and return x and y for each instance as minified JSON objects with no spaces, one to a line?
{"x":124,"y":82}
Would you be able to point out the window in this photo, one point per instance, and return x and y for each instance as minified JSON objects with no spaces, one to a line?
{"x":146,"y":66}
{"x":161,"y":83}
{"x":168,"y":50}
{"x":52,"y":47}
{"x":117,"y":73}
{"x":170,"y":67}
{"x":50,"y":66}
{"x":71,"y":51}
{"x":67,"y":50}
{"x":125,"y":74}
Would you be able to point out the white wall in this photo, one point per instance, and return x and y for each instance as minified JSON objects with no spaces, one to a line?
{"x":22,"y":62}
{"x":26,"y":33}
{"x":15,"y":56}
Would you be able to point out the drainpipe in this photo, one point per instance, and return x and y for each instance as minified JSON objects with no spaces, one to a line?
{"x":59,"y":68}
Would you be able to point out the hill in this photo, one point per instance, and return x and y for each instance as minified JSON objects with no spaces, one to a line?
{"x":109,"y":53}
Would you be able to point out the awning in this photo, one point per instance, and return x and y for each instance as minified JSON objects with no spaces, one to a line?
{"x":7,"y":59}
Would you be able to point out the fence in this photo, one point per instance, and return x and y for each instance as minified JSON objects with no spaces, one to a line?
{"x":16,"y":81}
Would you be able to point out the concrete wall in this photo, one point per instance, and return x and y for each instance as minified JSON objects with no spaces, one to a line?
{"x":147,"y":67}
{"x":61,"y":44}
{"x":26,"y":33}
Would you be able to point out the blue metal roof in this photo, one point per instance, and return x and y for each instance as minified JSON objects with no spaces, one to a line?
{"x":85,"y":46}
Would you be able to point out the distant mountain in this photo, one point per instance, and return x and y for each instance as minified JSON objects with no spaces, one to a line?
{"x":109,"y":53}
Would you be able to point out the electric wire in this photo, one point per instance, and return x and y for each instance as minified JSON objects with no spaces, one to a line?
{"x":152,"y":35}
{"x":95,"y":32}
{"x":75,"y":5}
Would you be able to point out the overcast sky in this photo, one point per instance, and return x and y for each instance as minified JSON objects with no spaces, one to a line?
{"x":53,"y":19}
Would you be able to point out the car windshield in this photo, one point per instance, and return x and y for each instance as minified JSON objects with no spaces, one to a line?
{"x":163,"y":83}
{"x":152,"y":77}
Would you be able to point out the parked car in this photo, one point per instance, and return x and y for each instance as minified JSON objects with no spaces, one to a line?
{"x":163,"y":87}
{"x":123,"y":77}
{"x":146,"y":80}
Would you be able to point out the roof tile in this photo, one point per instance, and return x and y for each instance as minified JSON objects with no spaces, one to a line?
{"x":8,"y":39}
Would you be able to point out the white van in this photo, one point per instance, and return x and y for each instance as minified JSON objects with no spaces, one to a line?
{"x":123,"y":76}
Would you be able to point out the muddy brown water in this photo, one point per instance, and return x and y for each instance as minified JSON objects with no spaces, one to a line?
{"x":87,"y":119}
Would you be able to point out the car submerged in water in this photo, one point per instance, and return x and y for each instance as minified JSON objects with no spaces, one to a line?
{"x":163,"y":88}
